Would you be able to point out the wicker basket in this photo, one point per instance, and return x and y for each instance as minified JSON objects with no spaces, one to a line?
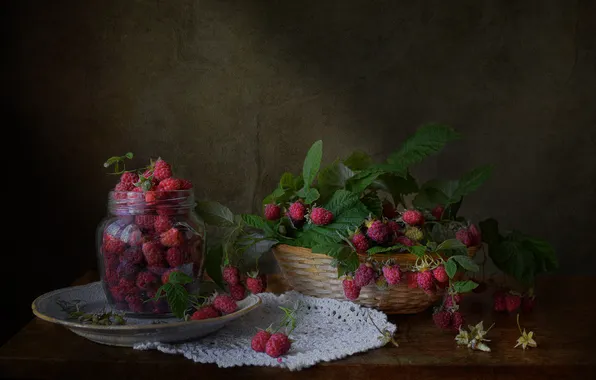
{"x":312,"y":274}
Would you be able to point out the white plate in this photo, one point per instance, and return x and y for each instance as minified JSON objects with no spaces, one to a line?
{"x":136,"y":330}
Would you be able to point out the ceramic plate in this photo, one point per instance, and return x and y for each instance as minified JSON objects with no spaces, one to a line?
{"x":136,"y":330}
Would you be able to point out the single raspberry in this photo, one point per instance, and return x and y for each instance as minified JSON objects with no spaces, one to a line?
{"x":448,"y":301}
{"x":425,"y":281}
{"x":165,"y":277}
{"x":257,"y":284}
{"x":360,"y":242}
{"x":225,"y":304}
{"x":135,"y":303}
{"x":113,"y":245}
{"x":404,"y":240}
{"x":528,"y":303}
{"x":145,"y":222}
{"x":414,"y":233}
{"x":463,"y":236}
{"x":146,"y":280}
{"x":162,"y":224}
{"x":440,"y":274}
{"x":296,"y":211}
{"x":389,"y":210}
{"x":237,"y":292}
{"x":121,"y":188}
{"x":127,"y":286}
{"x":413,"y":217}
{"x":153,"y":253}
{"x":129,"y":178}
{"x":175,"y":257}
{"x":277,"y":345}
{"x":394,"y":227}
{"x":259,"y":341}
{"x":475,"y":235}
{"x":172,"y":237}
{"x":169,"y":184}
{"x":499,"y":301}
{"x":272,"y":212}
{"x":161,"y":170}
{"x":351,"y":290}
{"x":392,"y":274}
{"x":151,"y":197}
{"x":442,"y":319}
{"x":205,"y":312}
{"x":185,"y":184}
{"x":364,"y":275}
{"x":133,"y":255}
{"x":231,"y":275}
{"x":512,"y":302}
{"x":378,"y":231}
{"x":437,"y":212}
{"x":412,"y":278}
{"x":127,"y":270}
{"x":457,"y":320}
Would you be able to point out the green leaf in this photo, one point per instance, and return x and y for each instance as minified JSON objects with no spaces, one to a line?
{"x":465,"y":262}
{"x":129,"y":155}
{"x":332,"y":178}
{"x":464,"y":286}
{"x":312,"y":163}
{"x":543,"y":251}
{"x":472,"y":181}
{"x":349,"y":265}
{"x":427,"y":140}
{"x":451,"y":244}
{"x":397,"y":186}
{"x":341,"y":201}
{"x":215,"y":213}
{"x":253,"y":246}
{"x":286,"y":181}
{"x":311,"y":196}
{"x":177,"y":277}
{"x":258,"y":222}
{"x":213,"y":262}
{"x":178,"y":301}
{"x":490,"y":231}
{"x":334,"y":250}
{"x":418,"y":250}
{"x":373,"y":203}
{"x":358,"y":161}
{"x":428,"y":198}
{"x":450,"y":267}
{"x":395,"y":248}
{"x":361,"y":180}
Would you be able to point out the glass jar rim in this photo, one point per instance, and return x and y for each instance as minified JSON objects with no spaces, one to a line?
{"x":134,"y":203}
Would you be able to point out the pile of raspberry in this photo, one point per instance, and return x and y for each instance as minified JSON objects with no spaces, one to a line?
{"x":140,"y":250}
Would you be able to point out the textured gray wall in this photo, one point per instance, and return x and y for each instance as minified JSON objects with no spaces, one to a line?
{"x":234,"y":93}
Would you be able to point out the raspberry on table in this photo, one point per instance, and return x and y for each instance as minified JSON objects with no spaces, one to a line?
{"x":277,"y":345}
{"x":259,"y":341}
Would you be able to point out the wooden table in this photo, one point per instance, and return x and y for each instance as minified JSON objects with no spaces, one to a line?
{"x":564,"y":323}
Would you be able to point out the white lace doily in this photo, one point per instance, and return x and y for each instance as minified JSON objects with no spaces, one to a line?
{"x":326,"y":330}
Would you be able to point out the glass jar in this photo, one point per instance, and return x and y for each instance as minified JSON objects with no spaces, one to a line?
{"x":145,"y":237}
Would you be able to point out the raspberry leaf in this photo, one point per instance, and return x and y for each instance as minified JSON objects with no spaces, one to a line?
{"x":373,"y":203}
{"x":258,"y":222}
{"x":311,"y":196}
{"x":216,"y":214}
{"x":312,"y":163}
{"x":418,"y":250}
{"x":178,"y":299}
{"x":179,"y":278}
{"x":397,"y":186}
{"x":471,"y":181}
{"x":427,"y":140}
{"x":358,"y":160}
{"x":450,"y":244}
{"x":332,"y":178}
{"x":395,"y":248}
{"x":450,"y":267}
{"x":341,"y":201}
{"x":465,"y":262}
{"x":213,"y":262}
{"x":360,"y":181}
{"x":464,"y":286}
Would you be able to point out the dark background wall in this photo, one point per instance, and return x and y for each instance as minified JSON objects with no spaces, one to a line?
{"x":234,"y":93}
